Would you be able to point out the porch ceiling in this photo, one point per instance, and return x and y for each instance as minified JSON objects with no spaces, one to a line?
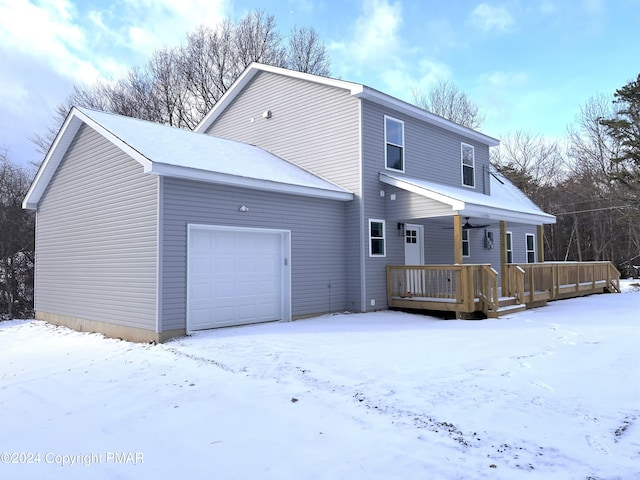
{"x":506,"y":201}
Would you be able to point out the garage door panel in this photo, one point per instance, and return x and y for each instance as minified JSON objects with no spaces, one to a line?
{"x":235,"y":277}
{"x":200,"y":318}
{"x":223,"y":265}
{"x":201,"y":292}
{"x":200,"y":242}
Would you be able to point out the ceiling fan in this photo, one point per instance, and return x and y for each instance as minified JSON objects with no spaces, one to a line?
{"x":467,"y":225}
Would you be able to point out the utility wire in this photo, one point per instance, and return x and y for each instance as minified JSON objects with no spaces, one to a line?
{"x":593,"y":210}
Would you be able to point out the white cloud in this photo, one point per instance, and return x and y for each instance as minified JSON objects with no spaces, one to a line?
{"x":375,"y":34}
{"x":507,"y":79}
{"x":85,"y":45}
{"x":45,"y":31}
{"x":594,"y":6}
{"x":429,"y":72}
{"x":376,"y":50}
{"x":488,"y":18}
{"x":146,"y":25}
{"x":548,"y":8}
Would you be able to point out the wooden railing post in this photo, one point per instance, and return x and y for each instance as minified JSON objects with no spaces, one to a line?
{"x":469,"y":294}
{"x":540,"y":253}
{"x":504,"y":279}
{"x":457,"y":239}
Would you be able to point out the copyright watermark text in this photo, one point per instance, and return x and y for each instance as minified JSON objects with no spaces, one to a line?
{"x":80,"y":459}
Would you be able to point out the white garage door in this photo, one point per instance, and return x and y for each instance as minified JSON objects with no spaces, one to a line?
{"x":235,"y":276}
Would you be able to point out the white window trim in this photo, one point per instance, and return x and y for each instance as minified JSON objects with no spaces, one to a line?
{"x":526,"y":246}
{"x":509,"y":246}
{"x":468,"y":242}
{"x":384,"y":238}
{"x":462,"y":165}
{"x":401,"y":146}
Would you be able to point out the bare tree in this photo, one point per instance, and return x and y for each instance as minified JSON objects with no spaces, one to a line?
{"x":446,"y":100}
{"x":206,"y":66}
{"x":257,"y":39}
{"x":591,"y":148}
{"x":307,"y":53}
{"x":536,"y":166}
{"x":16,"y":241}
{"x":530,"y":161}
{"x":179,"y":86}
{"x":602,"y":213}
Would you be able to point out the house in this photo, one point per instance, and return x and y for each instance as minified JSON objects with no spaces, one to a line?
{"x":293,"y":197}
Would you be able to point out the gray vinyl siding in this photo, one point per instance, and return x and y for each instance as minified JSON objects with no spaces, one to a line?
{"x":408,"y":205}
{"x":96,"y":237}
{"x":317,"y":241}
{"x":314,"y":126}
{"x":519,"y":240}
{"x":438,"y":245}
{"x":430,"y":152}
{"x":374,"y":204}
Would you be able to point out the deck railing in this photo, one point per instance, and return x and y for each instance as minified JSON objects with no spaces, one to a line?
{"x":459,"y":288}
{"x":556,"y":280}
{"x":474,"y":288}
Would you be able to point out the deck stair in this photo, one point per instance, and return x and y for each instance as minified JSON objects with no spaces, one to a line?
{"x":506,"y":305}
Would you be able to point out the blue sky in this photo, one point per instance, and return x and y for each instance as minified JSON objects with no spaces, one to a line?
{"x":529,"y":65}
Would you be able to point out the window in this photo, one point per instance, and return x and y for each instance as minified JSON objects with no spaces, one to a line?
{"x":411,"y":236}
{"x":465,"y":243}
{"x":531,"y":248}
{"x":509,"y":248}
{"x":468,"y":165}
{"x":376,"y":238}
{"x":394,"y":143}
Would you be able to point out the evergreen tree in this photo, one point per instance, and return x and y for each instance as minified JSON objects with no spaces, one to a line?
{"x":625,"y":128}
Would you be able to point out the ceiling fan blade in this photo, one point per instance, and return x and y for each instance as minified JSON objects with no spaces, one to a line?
{"x":478,"y":226}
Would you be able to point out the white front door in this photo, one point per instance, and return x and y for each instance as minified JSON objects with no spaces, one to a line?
{"x":413,"y":244}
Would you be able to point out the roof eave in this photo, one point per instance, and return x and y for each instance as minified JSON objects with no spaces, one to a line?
{"x":52,"y":159}
{"x":454,"y":203}
{"x":421,"y":114}
{"x":513,"y":216}
{"x":75,"y":119}
{"x":187,"y":173}
{"x":471,"y":209}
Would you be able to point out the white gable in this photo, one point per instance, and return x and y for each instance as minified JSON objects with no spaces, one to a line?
{"x":506,"y":201}
{"x":175,"y":152}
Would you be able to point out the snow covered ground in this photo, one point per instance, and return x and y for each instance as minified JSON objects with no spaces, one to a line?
{"x":550,"y":393}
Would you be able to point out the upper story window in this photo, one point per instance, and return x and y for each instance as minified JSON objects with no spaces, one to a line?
{"x":376,"y":238}
{"x":394,"y":143}
{"x":531,"y":248}
{"x":468,"y":165}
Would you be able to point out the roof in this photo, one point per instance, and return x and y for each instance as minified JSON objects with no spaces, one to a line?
{"x":506,"y":201}
{"x":355,"y":89}
{"x":179,"y":153}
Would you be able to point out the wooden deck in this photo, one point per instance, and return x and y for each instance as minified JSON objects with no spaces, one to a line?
{"x":470,"y":290}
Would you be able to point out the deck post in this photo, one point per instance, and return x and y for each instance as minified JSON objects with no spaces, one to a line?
{"x":457,"y":239}
{"x":540,"y":255}
{"x":504,"y":279}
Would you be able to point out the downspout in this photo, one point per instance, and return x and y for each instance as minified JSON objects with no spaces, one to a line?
{"x":159,"y":253}
{"x":362,"y":234}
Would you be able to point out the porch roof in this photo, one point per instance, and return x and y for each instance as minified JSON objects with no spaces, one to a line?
{"x":506,"y":201}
